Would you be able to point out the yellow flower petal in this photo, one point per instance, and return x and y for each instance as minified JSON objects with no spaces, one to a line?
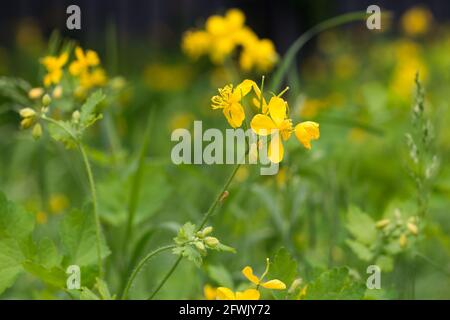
{"x":277,"y":110}
{"x":274,"y":284}
{"x":225,"y":294}
{"x":209,"y":292}
{"x":249,"y":294}
{"x":276,"y":149}
{"x":92,"y":58}
{"x":235,"y":115}
{"x":307,"y":131}
{"x":248,"y":273}
{"x":262,"y":125}
{"x":244,"y":88}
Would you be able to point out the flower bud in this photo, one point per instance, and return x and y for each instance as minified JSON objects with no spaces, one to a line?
{"x":35,"y":93}
{"x":206,"y":231}
{"x":46,"y":100}
{"x":57,"y":92}
{"x":412,"y":228}
{"x":26,"y":123}
{"x":76,"y":116}
{"x":382,"y":223}
{"x":199,"y":245}
{"x":403,"y":241}
{"x":211,"y":242}
{"x":37,"y":131}
{"x":27,"y":113}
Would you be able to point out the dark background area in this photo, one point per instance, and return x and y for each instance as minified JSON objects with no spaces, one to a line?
{"x":162,"y":22}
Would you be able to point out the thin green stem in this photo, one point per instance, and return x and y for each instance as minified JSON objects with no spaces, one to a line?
{"x":94,"y":205}
{"x":202,"y":224}
{"x":305,"y":37}
{"x":140,"y":265}
{"x":91,"y":186}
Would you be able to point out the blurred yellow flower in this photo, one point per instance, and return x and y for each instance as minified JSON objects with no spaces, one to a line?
{"x":83,"y":61}
{"x":35,"y":93}
{"x":259,"y":54}
{"x":222,"y":35}
{"x":54,"y":65}
{"x":58,"y":203}
{"x":95,"y":78}
{"x":416,"y":21}
{"x":41,"y":217}
{"x":165,"y":77}
{"x":182,"y":120}
{"x":226,"y":294}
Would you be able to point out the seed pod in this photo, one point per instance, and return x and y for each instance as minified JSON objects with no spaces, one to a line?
{"x":212,"y":242}
{"x":37,"y":131}
{"x":382,"y":223}
{"x":27,"y":113}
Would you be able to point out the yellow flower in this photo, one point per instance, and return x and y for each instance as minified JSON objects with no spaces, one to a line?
{"x":226,"y":294}
{"x":54,"y":65}
{"x":58,"y":203}
{"x":92,"y":79}
{"x":83,"y":61}
{"x":416,"y":21}
{"x":196,"y":43}
{"x":209,"y":292}
{"x":277,"y":123}
{"x":307,"y":131}
{"x":271,"y":284}
{"x":259,"y":54}
{"x":229,"y":100}
{"x":41,"y":217}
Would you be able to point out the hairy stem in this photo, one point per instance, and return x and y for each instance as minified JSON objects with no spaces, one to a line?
{"x":202,"y":224}
{"x":140,"y":265}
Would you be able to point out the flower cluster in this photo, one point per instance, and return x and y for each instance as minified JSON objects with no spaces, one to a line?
{"x":272,"y":117}
{"x":85,"y":68}
{"x":223,"y":293}
{"x":222,"y":35}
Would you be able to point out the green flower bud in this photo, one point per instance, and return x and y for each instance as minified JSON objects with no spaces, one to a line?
{"x":37,"y":131}
{"x":46,"y":100}
{"x":211,"y":242}
{"x":27,"y":113}
{"x":199,"y":245}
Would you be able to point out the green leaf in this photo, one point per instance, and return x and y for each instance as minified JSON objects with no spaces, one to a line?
{"x":47,"y":254}
{"x":53,"y":276}
{"x":87,"y":294}
{"x":87,"y":114}
{"x":361,"y":250}
{"x":190,"y":253}
{"x":103,"y":290}
{"x":282,"y":267}
{"x":186,"y":233}
{"x":16,"y":226}
{"x":386,"y":263}
{"x":335,"y":284}
{"x":15,"y":222}
{"x":78,"y":237}
{"x":361,"y":226}
{"x":220,"y":275}
{"x":64,"y":132}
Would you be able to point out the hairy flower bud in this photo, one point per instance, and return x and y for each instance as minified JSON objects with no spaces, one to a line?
{"x":199,"y":245}
{"x":382,"y":223}
{"x":35,"y":93}
{"x":46,"y":100}
{"x":412,"y":228}
{"x":211,"y":242}
{"x":403,"y":241}
{"x":76,"y":116}
{"x":26,"y":123}
{"x":37,"y":131}
{"x":27,"y":113}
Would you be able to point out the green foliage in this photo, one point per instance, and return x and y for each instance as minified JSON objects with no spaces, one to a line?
{"x":283,"y":267}
{"x":335,"y":284}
